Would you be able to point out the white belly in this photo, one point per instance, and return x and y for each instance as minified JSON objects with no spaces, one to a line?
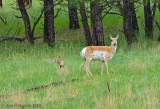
{"x":99,"y":55}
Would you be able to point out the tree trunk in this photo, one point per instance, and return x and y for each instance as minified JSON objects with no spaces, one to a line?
{"x":26,"y":20}
{"x":96,"y":24}
{"x":73,"y":17}
{"x":159,"y":28}
{"x":46,"y":32}
{"x":148,"y":20}
{"x":49,"y":33}
{"x":0,"y":3}
{"x":159,"y":5}
{"x":127,"y":22}
{"x":134,"y":18}
{"x":86,"y":29}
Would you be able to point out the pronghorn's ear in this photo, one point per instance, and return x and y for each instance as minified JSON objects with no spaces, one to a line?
{"x":110,"y":36}
{"x":117,"y":36}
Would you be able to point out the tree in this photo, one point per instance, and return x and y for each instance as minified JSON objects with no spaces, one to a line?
{"x":157,"y":22}
{"x":85,"y":24}
{"x":46,"y":32}
{"x":159,"y":5}
{"x":134,"y":18}
{"x":149,"y":16}
{"x":158,"y":25}
{"x":29,"y":34}
{"x":0,"y":3}
{"x":73,"y":17}
{"x":96,"y":23}
{"x":127,"y":22}
{"x":49,"y":32}
{"x":130,"y":24}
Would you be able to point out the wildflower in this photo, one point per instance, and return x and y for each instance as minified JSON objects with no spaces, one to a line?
{"x":74,"y":95}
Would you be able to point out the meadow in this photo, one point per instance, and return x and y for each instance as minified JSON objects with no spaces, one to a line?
{"x":133,"y":79}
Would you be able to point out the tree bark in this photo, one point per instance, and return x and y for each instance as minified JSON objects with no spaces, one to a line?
{"x":0,"y":3}
{"x":96,"y":24}
{"x":46,"y":33}
{"x":159,"y":5}
{"x":127,"y":22}
{"x":148,"y":20}
{"x":26,"y":20}
{"x":73,"y":17}
{"x":49,"y":32}
{"x":159,"y":28}
{"x":86,"y":29}
{"x":134,"y":18}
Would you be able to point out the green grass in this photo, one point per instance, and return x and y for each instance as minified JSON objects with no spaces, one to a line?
{"x":133,"y":79}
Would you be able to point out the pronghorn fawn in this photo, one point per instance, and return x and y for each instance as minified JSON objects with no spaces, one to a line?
{"x":60,"y":63}
{"x":100,"y":53}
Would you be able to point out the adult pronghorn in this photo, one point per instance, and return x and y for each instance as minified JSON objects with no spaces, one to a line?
{"x":101,"y":53}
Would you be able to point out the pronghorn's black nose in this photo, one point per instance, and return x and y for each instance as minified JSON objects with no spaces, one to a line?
{"x":115,"y":44}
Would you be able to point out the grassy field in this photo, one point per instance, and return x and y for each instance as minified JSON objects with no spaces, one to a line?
{"x":134,"y":71}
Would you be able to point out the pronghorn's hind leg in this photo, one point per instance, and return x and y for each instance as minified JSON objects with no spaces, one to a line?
{"x":102,"y":67}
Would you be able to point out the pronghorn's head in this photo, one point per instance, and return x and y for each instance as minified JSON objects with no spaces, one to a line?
{"x":114,"y":40}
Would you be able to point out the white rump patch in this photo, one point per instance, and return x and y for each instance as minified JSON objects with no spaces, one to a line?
{"x":83,"y":52}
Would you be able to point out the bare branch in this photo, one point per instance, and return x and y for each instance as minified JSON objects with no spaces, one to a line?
{"x":13,"y":38}
{"x":153,"y":11}
{"x":9,"y":31}
{"x":116,"y":13}
{"x":20,"y":39}
{"x":57,"y":13}
{"x":3,"y":20}
{"x":19,"y":17}
{"x":36,"y":22}
{"x":157,"y":25}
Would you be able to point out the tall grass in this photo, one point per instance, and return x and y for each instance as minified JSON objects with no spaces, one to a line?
{"x":133,"y":79}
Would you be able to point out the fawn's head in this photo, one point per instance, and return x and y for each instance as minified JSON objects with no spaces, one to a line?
{"x":114,"y":40}
{"x":57,"y":59}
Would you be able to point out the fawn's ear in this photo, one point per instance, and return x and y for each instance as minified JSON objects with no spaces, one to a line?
{"x":117,"y":36}
{"x":110,"y":37}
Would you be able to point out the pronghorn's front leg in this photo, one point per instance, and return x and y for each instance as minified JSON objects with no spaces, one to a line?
{"x":86,"y":66}
{"x":107,"y":65}
{"x":102,"y":67}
